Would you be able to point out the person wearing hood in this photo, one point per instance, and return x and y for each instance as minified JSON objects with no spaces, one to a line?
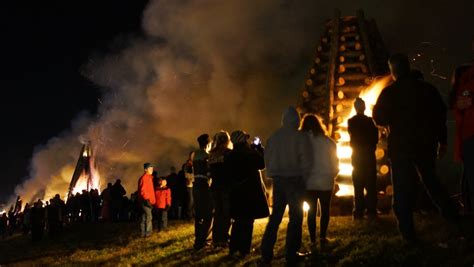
{"x":288,"y":160}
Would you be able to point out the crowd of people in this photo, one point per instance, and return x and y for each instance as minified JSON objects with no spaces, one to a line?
{"x":220,"y":185}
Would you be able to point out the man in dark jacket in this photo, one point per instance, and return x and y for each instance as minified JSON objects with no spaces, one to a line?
{"x":117,"y":192}
{"x":415,"y":116}
{"x":364,"y":139}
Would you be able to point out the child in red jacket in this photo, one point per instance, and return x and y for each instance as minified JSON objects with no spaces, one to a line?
{"x":163,"y":203}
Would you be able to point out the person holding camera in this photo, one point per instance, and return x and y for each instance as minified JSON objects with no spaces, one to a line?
{"x":247,"y":198}
{"x":147,"y":199}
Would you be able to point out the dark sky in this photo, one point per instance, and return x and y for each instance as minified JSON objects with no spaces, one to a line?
{"x":43,"y":46}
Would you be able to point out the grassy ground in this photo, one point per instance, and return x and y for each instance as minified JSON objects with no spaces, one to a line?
{"x":356,"y":244}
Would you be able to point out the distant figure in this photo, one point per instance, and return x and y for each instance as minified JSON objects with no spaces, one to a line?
{"x":172,"y":181}
{"x":180,"y":192}
{"x":3,"y":225}
{"x":461,"y":101}
{"x":117,"y":193}
{"x":288,"y":158}
{"x":247,"y":197}
{"x":220,"y":189}
{"x":320,"y":183}
{"x":364,"y":138}
{"x":189,"y":176}
{"x":202,"y":193}
{"x":163,"y":203}
{"x":415,"y":115}
{"x":146,"y":195}
{"x":106,"y":197}
{"x":37,"y":221}
{"x":55,"y":214}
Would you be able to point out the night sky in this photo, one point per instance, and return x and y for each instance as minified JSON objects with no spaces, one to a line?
{"x":43,"y":46}
{"x":46,"y":44}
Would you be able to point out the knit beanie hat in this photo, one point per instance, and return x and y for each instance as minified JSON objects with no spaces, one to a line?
{"x":239,"y":136}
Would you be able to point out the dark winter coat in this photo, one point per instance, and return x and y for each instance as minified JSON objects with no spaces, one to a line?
{"x":415,"y":115}
{"x":364,"y":139}
{"x":248,"y":199}
{"x":218,"y":172}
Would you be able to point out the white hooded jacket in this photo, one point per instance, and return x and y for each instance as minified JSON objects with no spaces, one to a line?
{"x":325,"y":165}
{"x":288,"y":151}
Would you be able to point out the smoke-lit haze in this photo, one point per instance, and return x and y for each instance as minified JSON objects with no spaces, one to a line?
{"x":207,"y":65}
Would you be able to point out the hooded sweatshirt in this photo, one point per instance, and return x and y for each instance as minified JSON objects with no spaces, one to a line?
{"x":288,"y":152}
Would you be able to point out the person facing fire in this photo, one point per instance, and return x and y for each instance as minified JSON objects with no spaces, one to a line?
{"x":117,"y":192}
{"x":288,"y":159}
{"x":220,"y":189}
{"x":247,"y":198}
{"x":146,"y":194}
{"x":461,"y":102}
{"x":415,"y":115}
{"x":163,"y":203}
{"x":201,"y":192}
{"x":364,"y":138}
{"x":320,"y":183}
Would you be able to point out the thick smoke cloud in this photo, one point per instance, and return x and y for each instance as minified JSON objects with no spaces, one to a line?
{"x":207,"y":65}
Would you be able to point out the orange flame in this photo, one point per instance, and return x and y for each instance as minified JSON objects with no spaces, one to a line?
{"x":344,"y":151}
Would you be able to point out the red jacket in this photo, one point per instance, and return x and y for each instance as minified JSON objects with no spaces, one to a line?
{"x":464,"y":118}
{"x":146,"y":189}
{"x":163,"y":197}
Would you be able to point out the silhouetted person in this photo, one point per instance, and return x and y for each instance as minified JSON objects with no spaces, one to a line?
{"x":415,"y":115}
{"x":288,"y":159}
{"x":189,"y":176}
{"x":178,"y":206}
{"x":117,"y":192}
{"x":201,"y":193}
{"x":461,"y":101}
{"x":247,"y":198}
{"x":37,"y":221}
{"x":106,"y":197}
{"x":364,"y":138}
{"x":3,"y":225}
{"x":172,"y":181}
{"x":55,"y":212}
{"x":220,"y":189}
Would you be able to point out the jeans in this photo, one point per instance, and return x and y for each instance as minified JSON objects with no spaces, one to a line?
{"x":468,"y":174}
{"x":405,"y":173}
{"x":325,"y":203}
{"x":221,"y":224}
{"x":162,"y":219}
{"x":365,"y":177}
{"x":203,"y":212}
{"x":146,"y":226}
{"x":286,"y":190}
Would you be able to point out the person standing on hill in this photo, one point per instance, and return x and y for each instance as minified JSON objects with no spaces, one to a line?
{"x":415,"y":115}
{"x":364,"y":138}
{"x":146,"y":194}
{"x":288,"y":160}
{"x":320,"y":183}
{"x":202,"y":193}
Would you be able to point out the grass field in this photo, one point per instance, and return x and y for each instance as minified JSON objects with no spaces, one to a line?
{"x":356,"y":244}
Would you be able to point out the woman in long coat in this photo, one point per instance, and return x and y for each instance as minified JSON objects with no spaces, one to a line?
{"x":248,"y":199}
